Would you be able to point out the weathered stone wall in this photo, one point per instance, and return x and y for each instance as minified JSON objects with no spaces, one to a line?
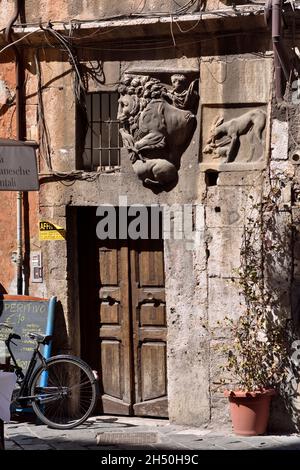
{"x":61,"y":10}
{"x":218,"y":184}
{"x":7,"y":199}
{"x":196,"y":276}
{"x":198,"y":280}
{"x":286,"y":165}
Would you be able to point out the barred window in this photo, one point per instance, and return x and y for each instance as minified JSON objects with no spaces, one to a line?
{"x":103,"y":141}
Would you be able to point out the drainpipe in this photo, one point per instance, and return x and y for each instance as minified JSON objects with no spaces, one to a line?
{"x":276,"y":32}
{"x":19,"y":132}
{"x":273,"y":14}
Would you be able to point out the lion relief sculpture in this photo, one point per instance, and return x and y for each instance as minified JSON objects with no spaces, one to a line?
{"x":157,"y":125}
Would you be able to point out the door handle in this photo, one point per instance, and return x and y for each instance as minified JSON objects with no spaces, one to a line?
{"x":152,"y":301}
{"x":107,"y":298}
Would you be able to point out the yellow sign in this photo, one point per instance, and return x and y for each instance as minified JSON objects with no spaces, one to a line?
{"x":49,"y":231}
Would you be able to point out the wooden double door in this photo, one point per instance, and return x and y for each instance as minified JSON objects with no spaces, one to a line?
{"x":123,"y":322}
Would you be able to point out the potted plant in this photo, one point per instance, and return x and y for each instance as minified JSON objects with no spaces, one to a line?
{"x":257,"y":348}
{"x":256,"y":359}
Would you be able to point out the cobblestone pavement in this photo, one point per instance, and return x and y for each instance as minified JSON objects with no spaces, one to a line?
{"x":129,"y":433}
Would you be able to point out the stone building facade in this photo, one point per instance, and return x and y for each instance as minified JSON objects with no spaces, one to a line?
{"x":201,"y":130}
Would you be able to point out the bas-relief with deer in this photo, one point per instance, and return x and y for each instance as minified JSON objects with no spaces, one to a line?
{"x":233,"y":137}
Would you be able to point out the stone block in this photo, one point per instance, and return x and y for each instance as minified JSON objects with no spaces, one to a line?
{"x":184,"y":222}
{"x":179,"y":277}
{"x":241,"y":178}
{"x":285,"y":200}
{"x":220,"y":412}
{"x":235,"y":80}
{"x":102,"y":76}
{"x":282,"y":170}
{"x":60,"y":212}
{"x":192,"y":408}
{"x":181,"y":64}
{"x":62,"y":123}
{"x":6,"y":95}
{"x":64,"y":158}
{"x":186,"y":311}
{"x":279,"y":140}
{"x":223,"y":300}
{"x":201,"y":188}
{"x":55,"y":259}
{"x":31,"y":82}
{"x":278,"y":256}
{"x":229,"y":206}
{"x":198,"y":304}
{"x":220,"y":379}
{"x":224,"y":251}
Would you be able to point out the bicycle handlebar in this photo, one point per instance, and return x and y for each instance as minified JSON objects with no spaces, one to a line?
{"x":6,"y":325}
{"x":14,"y":336}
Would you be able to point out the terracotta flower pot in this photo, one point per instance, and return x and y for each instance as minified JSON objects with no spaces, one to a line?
{"x":249,"y":411}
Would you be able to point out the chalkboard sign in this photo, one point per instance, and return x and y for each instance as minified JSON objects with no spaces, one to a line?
{"x":27,"y":315}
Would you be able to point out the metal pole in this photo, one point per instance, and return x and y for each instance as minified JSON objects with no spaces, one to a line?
{"x":19,"y":132}
{"x":19,"y":243}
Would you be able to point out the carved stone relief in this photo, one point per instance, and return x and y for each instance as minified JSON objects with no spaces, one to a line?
{"x":157,"y":124}
{"x":234,"y":137}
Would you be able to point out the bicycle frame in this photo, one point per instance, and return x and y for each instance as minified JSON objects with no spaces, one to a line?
{"x":46,"y":384}
{"x":24,"y":379}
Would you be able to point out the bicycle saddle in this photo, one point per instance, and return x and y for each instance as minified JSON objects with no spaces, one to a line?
{"x":42,"y":339}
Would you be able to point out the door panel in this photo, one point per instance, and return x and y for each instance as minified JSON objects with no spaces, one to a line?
{"x":114,"y":328}
{"x":149,"y":328}
{"x":111,"y":360}
{"x":151,"y":315}
{"x":109,"y":314}
{"x":123,"y":320}
{"x":151,"y":265}
{"x":153,"y":383}
{"x":108,"y":266}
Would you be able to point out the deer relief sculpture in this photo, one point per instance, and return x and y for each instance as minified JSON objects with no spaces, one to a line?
{"x":224,"y":137}
{"x":157,"y":124}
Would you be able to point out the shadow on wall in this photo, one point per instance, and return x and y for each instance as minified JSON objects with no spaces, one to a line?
{"x":285,"y":409}
{"x":60,"y":337}
{"x":2,"y":289}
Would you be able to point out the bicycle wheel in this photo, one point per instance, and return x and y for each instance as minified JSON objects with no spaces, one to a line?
{"x":65,"y":392}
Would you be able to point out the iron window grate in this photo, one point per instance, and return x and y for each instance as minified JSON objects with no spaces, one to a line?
{"x":103,"y":141}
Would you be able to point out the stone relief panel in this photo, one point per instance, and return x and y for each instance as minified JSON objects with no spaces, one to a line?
{"x":157,"y":123}
{"x":234,"y":137}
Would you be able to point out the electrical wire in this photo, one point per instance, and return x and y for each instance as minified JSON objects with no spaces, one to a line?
{"x":222,"y":80}
{"x":73,"y":60}
{"x":81,"y":175}
{"x":18,"y":40}
{"x":45,"y":146}
{"x":136,"y":48}
{"x":171,"y":32}
{"x":74,"y":25}
{"x":184,"y":31}
{"x":227,"y":12}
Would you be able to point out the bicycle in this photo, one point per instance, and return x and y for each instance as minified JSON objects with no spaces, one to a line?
{"x":62,"y":390}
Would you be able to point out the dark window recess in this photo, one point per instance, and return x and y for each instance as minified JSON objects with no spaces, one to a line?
{"x":103,"y":141}
{"x":211,"y":177}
